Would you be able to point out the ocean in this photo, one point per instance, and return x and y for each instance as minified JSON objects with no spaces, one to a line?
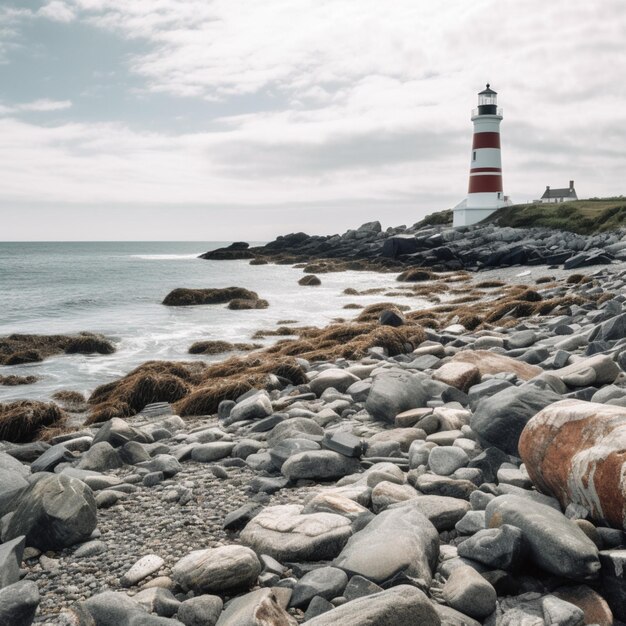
{"x":116,"y":289}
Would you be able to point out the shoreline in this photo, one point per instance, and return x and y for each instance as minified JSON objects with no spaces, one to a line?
{"x":390,"y":436}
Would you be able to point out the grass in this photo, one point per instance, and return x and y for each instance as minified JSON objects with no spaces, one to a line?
{"x":583,"y":217}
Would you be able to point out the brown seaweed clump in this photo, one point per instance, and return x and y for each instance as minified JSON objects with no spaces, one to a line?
{"x":190,"y":297}
{"x":19,"y":349}
{"x":416,"y":275}
{"x":72,"y":401}
{"x":371,"y":313}
{"x":219,"y":347}
{"x":23,"y":421}
{"x":154,"y":381}
{"x":13,"y":381}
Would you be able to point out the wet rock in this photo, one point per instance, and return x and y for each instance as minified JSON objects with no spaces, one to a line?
{"x":398,"y":542}
{"x":217,"y":569}
{"x":286,"y":534}
{"x":53,"y":513}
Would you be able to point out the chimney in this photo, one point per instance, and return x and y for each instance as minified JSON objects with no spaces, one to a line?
{"x":571,"y":185}
{"x":547,"y":187}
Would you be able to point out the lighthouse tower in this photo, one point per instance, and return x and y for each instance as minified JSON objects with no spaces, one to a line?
{"x":485,"y":193}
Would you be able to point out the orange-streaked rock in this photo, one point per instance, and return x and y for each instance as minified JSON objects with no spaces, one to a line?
{"x":493,"y":363}
{"x":576,"y":451}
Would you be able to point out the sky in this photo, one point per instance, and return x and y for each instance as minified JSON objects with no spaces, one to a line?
{"x":246,"y":119}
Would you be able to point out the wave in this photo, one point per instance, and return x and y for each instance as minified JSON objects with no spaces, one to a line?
{"x":165,"y":257}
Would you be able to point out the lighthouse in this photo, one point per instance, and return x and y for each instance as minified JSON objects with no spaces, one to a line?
{"x":485,"y":192}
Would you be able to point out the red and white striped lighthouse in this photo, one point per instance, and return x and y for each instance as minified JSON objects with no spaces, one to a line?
{"x":485,"y":193}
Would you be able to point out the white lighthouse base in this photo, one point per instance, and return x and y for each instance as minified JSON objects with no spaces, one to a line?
{"x":467,"y":216}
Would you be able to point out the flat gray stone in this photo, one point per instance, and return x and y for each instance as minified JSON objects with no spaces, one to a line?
{"x":202,"y":610}
{"x":209,"y":452}
{"x":468,"y":592}
{"x":319,"y":465}
{"x":18,"y":603}
{"x":11,"y":553}
{"x":286,"y":534}
{"x":327,"y":582}
{"x":144,"y":567}
{"x":398,"y":541}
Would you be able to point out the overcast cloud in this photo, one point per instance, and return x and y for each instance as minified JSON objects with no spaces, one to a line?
{"x":228,"y":119}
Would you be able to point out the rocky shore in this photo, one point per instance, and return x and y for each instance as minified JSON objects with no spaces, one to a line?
{"x":439,"y":247}
{"x":442,"y":466}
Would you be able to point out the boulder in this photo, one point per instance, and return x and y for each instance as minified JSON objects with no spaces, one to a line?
{"x":493,"y":363}
{"x":286,"y":534}
{"x":11,"y":553}
{"x":319,"y":465}
{"x":458,"y":374}
{"x":400,"y":541}
{"x":468,"y":592}
{"x":201,"y":610}
{"x":100,"y":457}
{"x":575,"y":451}
{"x":51,"y":458}
{"x":18,"y":603}
{"x":209,"y":452}
{"x":395,"y":392}
{"x":336,"y":378}
{"x":443,"y":512}
{"x":499,"y":419}
{"x":398,"y":606}
{"x":555,"y":543}
{"x":596,"y":370}
{"x":295,"y":428}
{"x":117,"y":432}
{"x":445,"y":460}
{"x":327,"y":582}
{"x":217,"y":569}
{"x":13,"y":481}
{"x":497,"y":548}
{"x":261,"y":607}
{"x":254,"y":407}
{"x":55,"y":512}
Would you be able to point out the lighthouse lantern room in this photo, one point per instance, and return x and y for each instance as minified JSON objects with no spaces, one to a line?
{"x":485,"y":192}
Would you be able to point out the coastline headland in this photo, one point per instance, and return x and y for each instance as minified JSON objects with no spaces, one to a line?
{"x":459,"y":462}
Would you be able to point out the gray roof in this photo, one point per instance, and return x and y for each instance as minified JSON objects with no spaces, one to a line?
{"x":488,"y":91}
{"x":559,"y":193}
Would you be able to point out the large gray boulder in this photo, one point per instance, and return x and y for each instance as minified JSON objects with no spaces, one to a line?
{"x":295,"y":428}
{"x":399,"y":606}
{"x":500,"y":419}
{"x":254,"y":407}
{"x":399,"y":542}
{"x":319,"y":465}
{"x":395,"y":392}
{"x":468,"y":592}
{"x":442,"y":512}
{"x":18,"y":603}
{"x":117,"y":432}
{"x":55,"y":512}
{"x":497,"y":548}
{"x":555,"y":543}
{"x":286,"y":534}
{"x":217,"y":569}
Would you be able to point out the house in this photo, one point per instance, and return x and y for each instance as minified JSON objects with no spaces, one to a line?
{"x":559,"y":195}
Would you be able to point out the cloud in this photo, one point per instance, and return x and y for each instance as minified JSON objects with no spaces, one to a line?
{"x":43,"y":105}
{"x":57,"y":11}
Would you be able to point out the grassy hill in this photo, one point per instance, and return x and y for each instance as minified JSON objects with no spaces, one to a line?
{"x":581,"y":216}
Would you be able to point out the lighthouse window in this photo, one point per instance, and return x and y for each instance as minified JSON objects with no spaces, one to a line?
{"x":474,"y":155}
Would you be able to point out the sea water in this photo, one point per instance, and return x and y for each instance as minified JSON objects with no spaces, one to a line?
{"x":116,"y":289}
